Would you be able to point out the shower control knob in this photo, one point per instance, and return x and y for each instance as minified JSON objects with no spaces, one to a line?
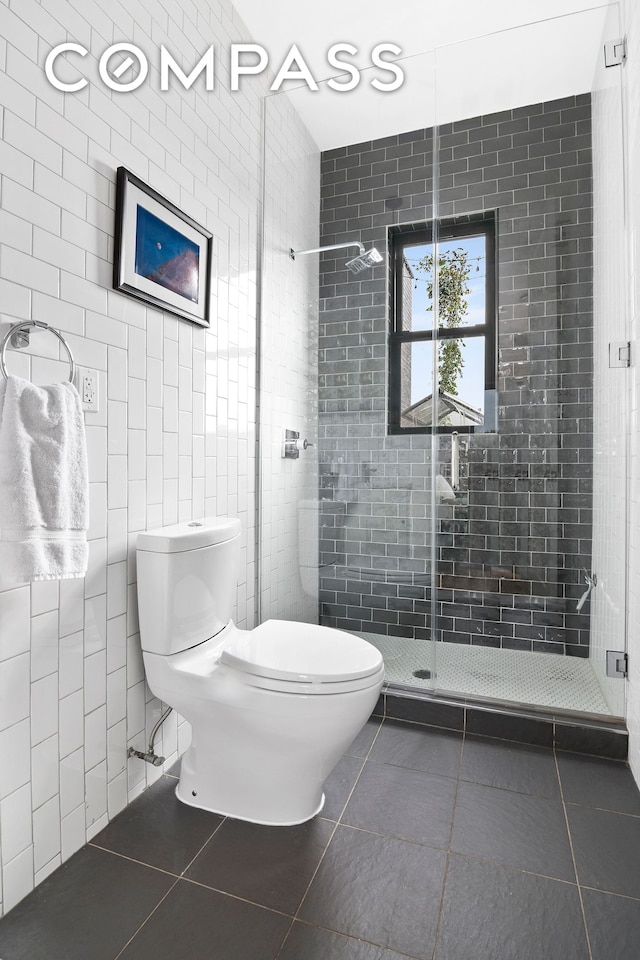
{"x":293,"y":445}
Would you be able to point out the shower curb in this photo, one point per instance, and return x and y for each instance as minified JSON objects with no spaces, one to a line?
{"x":592,"y":735}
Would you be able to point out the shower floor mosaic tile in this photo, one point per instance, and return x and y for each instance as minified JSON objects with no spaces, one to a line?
{"x":530,"y":679}
{"x":432,"y":845}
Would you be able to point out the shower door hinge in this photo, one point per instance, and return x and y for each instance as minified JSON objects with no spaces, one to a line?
{"x":620,"y":353}
{"x":615,"y":52}
{"x":617,"y":663}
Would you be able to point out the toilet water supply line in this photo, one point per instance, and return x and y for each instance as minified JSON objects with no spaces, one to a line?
{"x":150,"y":756}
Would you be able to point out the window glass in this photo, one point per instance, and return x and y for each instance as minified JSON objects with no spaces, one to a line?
{"x":417,"y":383}
{"x":461,"y":406}
{"x":425,"y":351}
{"x":461,"y":275}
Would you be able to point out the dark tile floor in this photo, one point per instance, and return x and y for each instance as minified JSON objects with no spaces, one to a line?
{"x":431,"y":845}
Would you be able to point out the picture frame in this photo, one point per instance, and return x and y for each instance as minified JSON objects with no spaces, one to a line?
{"x":162,"y":257}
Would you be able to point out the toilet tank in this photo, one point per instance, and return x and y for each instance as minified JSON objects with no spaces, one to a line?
{"x":187,"y":579}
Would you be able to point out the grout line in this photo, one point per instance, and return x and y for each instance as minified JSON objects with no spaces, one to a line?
{"x":234,"y":896}
{"x":573,"y":856}
{"x":392,"y":836}
{"x":333,"y":832}
{"x":512,"y":866}
{"x":143,"y":863}
{"x":458,"y":776}
{"x":427,"y":725}
{"x":449,"y":848}
{"x":123,"y":856}
{"x":436,"y":935}
{"x":285,"y":938}
{"x":146,"y":920}
{"x":617,"y":813}
{"x":349,"y":936}
{"x":315,"y":872}
{"x":611,"y":893}
{"x":209,"y":839}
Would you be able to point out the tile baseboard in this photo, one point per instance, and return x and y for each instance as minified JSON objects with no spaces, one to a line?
{"x":603,"y":738}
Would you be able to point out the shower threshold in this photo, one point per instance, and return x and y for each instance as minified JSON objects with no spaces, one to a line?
{"x":533,"y":680}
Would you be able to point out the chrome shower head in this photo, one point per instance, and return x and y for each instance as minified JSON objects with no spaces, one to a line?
{"x":364,"y":261}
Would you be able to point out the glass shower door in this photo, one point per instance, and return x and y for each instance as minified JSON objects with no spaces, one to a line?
{"x":531,"y":554}
{"x":375,"y":487}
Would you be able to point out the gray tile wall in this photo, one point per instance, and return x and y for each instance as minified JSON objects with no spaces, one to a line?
{"x":510,"y":562}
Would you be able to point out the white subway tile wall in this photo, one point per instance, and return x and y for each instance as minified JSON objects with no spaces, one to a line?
{"x":175,"y":435}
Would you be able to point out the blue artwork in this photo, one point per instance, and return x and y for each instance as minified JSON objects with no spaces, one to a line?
{"x":166,"y":256}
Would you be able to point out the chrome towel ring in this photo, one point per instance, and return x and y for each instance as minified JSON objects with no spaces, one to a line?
{"x":18,"y":334}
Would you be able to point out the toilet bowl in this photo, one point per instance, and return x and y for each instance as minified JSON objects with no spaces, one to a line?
{"x":272,"y":709}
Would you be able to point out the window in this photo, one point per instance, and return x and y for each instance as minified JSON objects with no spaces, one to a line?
{"x":442,"y":373}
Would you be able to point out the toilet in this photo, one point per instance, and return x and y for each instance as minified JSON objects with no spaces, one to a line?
{"x":272,"y":709}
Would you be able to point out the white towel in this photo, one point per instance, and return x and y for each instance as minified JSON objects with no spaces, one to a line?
{"x":44,"y":494}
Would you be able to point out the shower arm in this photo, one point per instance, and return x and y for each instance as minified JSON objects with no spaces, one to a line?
{"x":332,"y":246}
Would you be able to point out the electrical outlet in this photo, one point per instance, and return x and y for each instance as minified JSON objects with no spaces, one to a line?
{"x":87,"y":386}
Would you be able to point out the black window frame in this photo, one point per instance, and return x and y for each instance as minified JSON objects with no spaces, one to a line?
{"x":401,"y":237}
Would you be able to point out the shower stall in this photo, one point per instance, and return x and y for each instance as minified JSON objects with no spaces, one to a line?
{"x":461,"y":498}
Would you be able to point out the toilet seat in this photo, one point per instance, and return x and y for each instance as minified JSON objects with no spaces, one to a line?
{"x":303,"y":658}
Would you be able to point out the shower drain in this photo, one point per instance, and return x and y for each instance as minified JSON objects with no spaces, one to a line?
{"x":422,"y":674}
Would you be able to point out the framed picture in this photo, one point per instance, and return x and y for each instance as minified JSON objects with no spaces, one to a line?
{"x":162,"y":256}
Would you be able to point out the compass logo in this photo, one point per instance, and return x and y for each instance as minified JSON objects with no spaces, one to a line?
{"x":124,"y":67}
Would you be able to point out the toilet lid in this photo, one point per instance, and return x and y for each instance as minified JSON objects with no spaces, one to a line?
{"x":302,"y":652}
